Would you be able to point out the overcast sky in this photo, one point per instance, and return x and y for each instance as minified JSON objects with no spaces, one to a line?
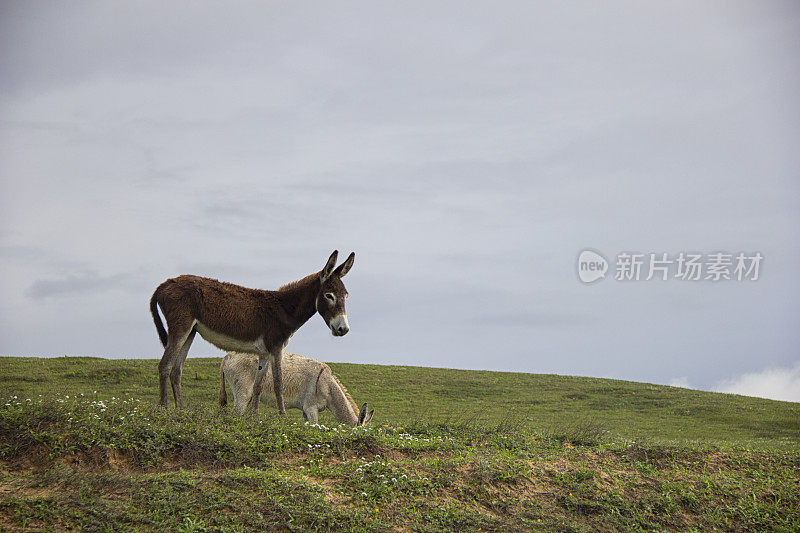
{"x":467,"y":152}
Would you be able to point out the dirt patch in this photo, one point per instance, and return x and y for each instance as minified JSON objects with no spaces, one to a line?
{"x":287,"y":459}
{"x":6,"y":524}
{"x":37,"y":459}
{"x":660,"y":457}
{"x":328,"y":486}
{"x":98,"y":459}
{"x":18,"y":490}
{"x":370,"y":453}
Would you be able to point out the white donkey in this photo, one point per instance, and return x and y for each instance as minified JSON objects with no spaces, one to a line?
{"x":308,"y":385}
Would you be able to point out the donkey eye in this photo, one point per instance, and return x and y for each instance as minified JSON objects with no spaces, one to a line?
{"x":330,"y":296}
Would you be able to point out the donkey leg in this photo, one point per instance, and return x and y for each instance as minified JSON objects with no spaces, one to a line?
{"x":258,"y":384}
{"x":277,"y":381}
{"x":177,"y":369}
{"x":175,"y":339}
{"x":165,"y":369}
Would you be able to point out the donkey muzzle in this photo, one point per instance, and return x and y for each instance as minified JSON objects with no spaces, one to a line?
{"x":339,"y":325}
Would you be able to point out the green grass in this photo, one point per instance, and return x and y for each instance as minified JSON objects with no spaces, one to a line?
{"x":83,"y":447}
{"x":400,"y":394}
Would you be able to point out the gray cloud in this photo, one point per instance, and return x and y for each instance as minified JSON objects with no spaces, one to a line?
{"x":76,"y":284}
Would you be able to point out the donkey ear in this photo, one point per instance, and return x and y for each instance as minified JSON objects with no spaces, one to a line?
{"x":362,"y":414}
{"x":368,"y":418}
{"x":345,"y":267}
{"x":326,"y":272}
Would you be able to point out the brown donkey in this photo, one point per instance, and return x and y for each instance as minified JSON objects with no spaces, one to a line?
{"x":246,"y":320}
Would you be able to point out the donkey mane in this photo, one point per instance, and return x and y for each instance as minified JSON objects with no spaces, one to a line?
{"x":344,"y":390}
{"x":302,"y":282}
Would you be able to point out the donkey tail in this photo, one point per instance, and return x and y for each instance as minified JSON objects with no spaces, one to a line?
{"x":223,"y":394}
{"x":162,"y":333}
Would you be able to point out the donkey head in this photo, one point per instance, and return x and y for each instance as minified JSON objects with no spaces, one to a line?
{"x":363,"y":416}
{"x":332,"y":294}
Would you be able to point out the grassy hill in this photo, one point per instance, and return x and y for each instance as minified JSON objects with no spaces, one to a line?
{"x":82,"y":446}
